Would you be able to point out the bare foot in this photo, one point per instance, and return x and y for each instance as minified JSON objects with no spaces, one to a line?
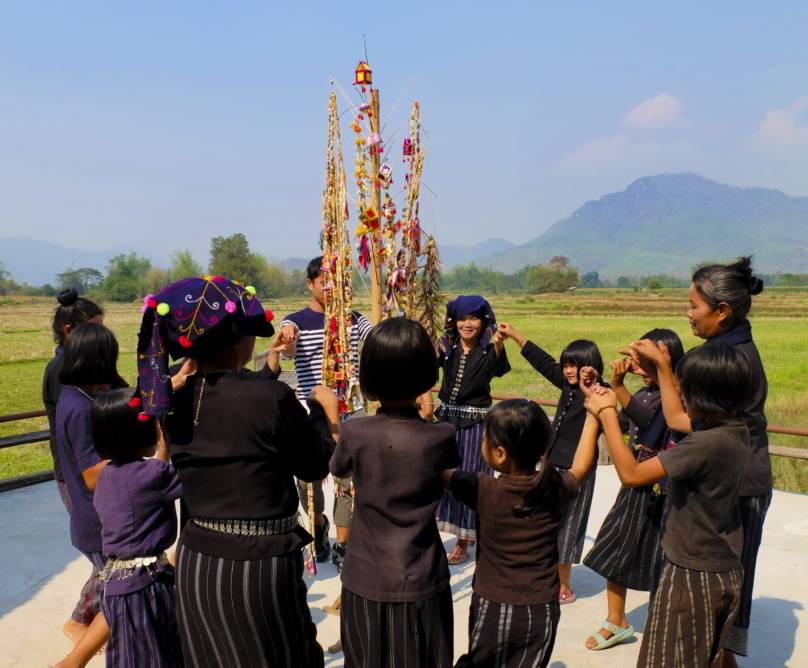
{"x":622,"y":623}
{"x":729,"y":660}
{"x":74,"y":630}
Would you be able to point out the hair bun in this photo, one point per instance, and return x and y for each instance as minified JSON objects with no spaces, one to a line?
{"x":755,"y":286}
{"x":67,"y":297}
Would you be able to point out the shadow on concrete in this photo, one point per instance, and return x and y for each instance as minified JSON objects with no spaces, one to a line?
{"x":773,"y":632}
{"x":637,"y":617}
{"x":585,"y":582}
{"x":35,"y":530}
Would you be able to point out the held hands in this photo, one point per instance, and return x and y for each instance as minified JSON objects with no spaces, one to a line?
{"x":506,"y":331}
{"x":597,"y":402}
{"x":619,"y":370}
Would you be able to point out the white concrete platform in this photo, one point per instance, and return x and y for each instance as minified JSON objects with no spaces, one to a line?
{"x":41,"y":576}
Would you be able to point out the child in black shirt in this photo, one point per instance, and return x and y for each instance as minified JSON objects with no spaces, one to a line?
{"x":568,"y":425}
{"x":515,"y":607}
{"x":702,"y":536}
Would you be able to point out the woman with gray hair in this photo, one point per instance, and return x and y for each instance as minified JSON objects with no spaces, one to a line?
{"x":720,"y":300}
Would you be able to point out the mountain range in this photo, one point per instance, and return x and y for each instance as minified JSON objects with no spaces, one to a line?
{"x":667,"y":224}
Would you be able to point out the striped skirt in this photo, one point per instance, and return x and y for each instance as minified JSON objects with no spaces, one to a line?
{"x":627,"y":550}
{"x":143,"y":629}
{"x":753,"y":514}
{"x":690,"y":618}
{"x":454,"y":517}
{"x":510,"y":636}
{"x":397,"y":635}
{"x":572,"y":532}
{"x":245,"y":613}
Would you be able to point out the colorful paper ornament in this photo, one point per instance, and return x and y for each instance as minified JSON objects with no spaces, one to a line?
{"x":385,"y":174}
{"x":363,"y":75}
{"x":373,"y":140}
{"x":366,"y":109}
{"x":407,"y":150}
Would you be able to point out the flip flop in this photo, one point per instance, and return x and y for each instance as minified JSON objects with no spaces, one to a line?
{"x":457,"y":556}
{"x":567,"y":598}
{"x":620,"y":634}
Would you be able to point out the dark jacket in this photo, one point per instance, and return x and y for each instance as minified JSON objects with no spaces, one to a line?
{"x":51,"y":390}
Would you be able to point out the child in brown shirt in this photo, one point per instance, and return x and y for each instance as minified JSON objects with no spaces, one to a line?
{"x":515,"y":608}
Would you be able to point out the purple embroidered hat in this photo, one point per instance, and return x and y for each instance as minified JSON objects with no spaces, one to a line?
{"x":180,"y":314}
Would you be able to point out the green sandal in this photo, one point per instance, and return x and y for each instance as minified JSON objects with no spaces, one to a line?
{"x":619,"y":635}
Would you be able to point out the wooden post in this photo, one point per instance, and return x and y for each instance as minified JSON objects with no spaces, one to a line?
{"x":375,"y":204}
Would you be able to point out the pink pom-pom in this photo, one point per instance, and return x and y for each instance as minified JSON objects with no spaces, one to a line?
{"x":218,"y":279}
{"x":134,"y":402}
{"x":143,"y":417}
{"x":230,"y":307}
{"x":269,"y":315}
{"x":147,"y":299}
{"x":184,"y":342}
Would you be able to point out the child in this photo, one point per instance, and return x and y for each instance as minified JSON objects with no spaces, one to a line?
{"x":567,"y":425}
{"x":135,"y":501}
{"x":515,"y":606}
{"x":697,"y":600}
{"x":134,"y":498}
{"x":303,"y":333}
{"x":88,"y":366}
{"x":396,"y":598}
{"x":471,"y":355}
{"x":626,"y":551}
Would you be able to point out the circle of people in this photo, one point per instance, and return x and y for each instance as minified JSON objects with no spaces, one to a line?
{"x":240,"y":449}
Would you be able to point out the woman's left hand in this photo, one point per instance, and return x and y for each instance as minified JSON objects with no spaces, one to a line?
{"x":596,"y":401}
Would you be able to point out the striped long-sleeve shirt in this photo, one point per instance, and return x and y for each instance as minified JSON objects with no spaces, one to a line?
{"x":309,"y":354}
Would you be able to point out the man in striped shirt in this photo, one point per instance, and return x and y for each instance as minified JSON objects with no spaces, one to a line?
{"x":304,"y":332}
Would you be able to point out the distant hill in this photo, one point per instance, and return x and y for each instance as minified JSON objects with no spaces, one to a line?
{"x":668,"y":223}
{"x":452,"y":255}
{"x":37,"y":262}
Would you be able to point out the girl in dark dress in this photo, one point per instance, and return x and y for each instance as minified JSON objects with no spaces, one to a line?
{"x":627,"y":551}
{"x":699,"y":593}
{"x":237,"y":442}
{"x":567,"y":426}
{"x":514,"y":607}
{"x":471,"y":355}
{"x":396,"y":597}
{"x":720,"y":300}
{"x":71,"y":312}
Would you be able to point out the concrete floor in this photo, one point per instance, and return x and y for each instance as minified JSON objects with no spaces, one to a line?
{"x":42,"y":575}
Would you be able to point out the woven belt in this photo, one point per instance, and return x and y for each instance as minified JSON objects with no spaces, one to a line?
{"x":250,"y":527}
{"x":126,"y":567}
{"x":462,"y":411}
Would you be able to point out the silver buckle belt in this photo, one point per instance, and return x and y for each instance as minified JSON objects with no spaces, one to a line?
{"x":251,"y":527}
{"x":462,"y":411}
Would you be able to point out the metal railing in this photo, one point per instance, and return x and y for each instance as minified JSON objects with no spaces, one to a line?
{"x":43,"y":476}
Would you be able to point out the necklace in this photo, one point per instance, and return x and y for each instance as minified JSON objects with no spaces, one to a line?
{"x":84,"y":393}
{"x":199,"y":403}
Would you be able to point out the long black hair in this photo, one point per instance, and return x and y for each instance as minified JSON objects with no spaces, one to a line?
{"x":90,"y":357}
{"x":115,"y":427}
{"x":72,"y":310}
{"x":732,"y":284}
{"x":715,"y":379}
{"x":523,"y":430}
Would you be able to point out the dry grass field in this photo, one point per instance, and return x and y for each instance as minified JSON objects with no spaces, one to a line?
{"x":612,"y":318}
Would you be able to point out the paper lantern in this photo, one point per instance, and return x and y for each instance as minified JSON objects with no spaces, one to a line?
{"x":407,"y":150}
{"x":373,"y":140}
{"x":366,"y":109}
{"x":385,"y":174}
{"x":363,"y":75}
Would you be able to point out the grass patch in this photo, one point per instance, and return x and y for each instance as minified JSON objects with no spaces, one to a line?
{"x":612,"y":318}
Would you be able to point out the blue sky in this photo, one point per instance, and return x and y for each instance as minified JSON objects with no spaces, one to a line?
{"x":162,"y":124}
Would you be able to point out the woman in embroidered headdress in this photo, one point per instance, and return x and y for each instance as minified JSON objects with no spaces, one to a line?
{"x":237,"y":441}
{"x":471,"y":353}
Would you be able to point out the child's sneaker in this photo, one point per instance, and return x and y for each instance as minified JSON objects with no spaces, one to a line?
{"x":338,"y":554}
{"x":322,"y":545}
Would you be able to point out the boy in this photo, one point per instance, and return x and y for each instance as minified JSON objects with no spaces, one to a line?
{"x":302,"y":332}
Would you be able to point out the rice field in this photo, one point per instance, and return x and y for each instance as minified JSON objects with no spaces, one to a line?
{"x":611,"y":318}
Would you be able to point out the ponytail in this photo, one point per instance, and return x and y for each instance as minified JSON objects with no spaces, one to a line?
{"x":523,"y":430}
{"x":548,"y":493}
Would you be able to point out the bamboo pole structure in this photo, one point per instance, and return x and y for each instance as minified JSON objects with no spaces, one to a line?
{"x":375,"y":203}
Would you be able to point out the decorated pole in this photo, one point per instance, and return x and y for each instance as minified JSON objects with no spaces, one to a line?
{"x":375,"y":202}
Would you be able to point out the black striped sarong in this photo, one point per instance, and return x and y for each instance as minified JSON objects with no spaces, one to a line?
{"x":753,"y":514}
{"x":245,"y":613}
{"x":690,"y":618}
{"x":397,"y":635}
{"x":454,"y":517}
{"x":510,"y":636}
{"x":572,"y":531}
{"x":627,"y":550}
{"x":143,"y":629}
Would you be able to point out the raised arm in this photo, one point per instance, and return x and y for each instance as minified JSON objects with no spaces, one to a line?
{"x":306,"y":449}
{"x":631,"y":473}
{"x":672,"y":407}
{"x":543,"y":362}
{"x":587,"y":447}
